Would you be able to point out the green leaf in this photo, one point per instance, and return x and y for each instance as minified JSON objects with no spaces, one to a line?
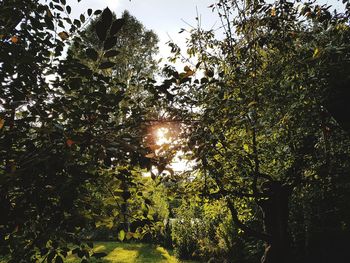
{"x":148,"y":201}
{"x":209,"y":73}
{"x":104,"y":24}
{"x":116,"y":26}
{"x":99,"y":255}
{"x":97,"y":12}
{"x":58,"y":259}
{"x":106,"y":65}
{"x":92,"y":54}
{"x":89,"y":11}
{"x":137,"y":235}
{"x":90,"y":244}
{"x":51,"y":256}
{"x":69,"y":9}
{"x":121,"y":235}
{"x":101,"y":31}
{"x":251,"y":104}
{"x":109,"y":43}
{"x":204,"y":80}
{"x":107,"y":17}
{"x":58,"y":7}
{"x":316,"y":53}
{"x":82,"y":18}
{"x":111,"y":53}
{"x":76,"y":250}
{"x":246,"y":147}
{"x":77,"y":22}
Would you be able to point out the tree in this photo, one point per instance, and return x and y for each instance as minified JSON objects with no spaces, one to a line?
{"x":135,"y":52}
{"x":131,"y":57}
{"x":263,"y":127}
{"x":64,"y":126}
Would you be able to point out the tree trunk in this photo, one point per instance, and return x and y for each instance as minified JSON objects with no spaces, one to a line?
{"x":276,"y":211}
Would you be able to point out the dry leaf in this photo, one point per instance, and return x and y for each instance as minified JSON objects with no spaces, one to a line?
{"x":69,"y":142}
{"x":63,"y":35}
{"x":2,"y":122}
{"x":14,"y":39}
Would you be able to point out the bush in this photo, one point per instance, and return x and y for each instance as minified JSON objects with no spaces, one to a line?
{"x":205,"y":231}
{"x":186,"y":231}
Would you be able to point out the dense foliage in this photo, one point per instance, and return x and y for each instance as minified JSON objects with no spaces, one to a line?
{"x":72,"y":148}
{"x":270,"y":131}
{"x":262,"y":113}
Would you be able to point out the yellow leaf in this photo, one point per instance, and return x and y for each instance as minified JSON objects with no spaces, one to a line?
{"x":316,"y":53}
{"x":63,"y":35}
{"x":2,"y":122}
{"x":121,"y":235}
{"x":252,"y":104}
{"x":150,"y":155}
{"x":246,"y":147}
{"x":273,"y":11}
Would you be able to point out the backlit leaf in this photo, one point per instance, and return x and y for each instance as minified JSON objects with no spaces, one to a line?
{"x":121,"y":235}
{"x":273,"y":11}
{"x":150,"y":155}
{"x":246,"y":147}
{"x":2,"y":122}
{"x":316,"y":53}
{"x":14,"y":39}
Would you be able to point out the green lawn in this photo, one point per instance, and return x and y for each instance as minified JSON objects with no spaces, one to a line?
{"x":129,"y":253}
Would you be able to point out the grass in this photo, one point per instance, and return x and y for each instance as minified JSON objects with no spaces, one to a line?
{"x":130,"y":253}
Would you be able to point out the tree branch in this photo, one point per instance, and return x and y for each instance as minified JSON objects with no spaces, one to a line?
{"x":247,"y":230}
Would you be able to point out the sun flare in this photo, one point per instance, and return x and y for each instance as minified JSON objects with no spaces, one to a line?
{"x":162,"y":136}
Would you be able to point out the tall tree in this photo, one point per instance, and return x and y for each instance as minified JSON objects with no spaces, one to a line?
{"x":65,"y":125}
{"x":136,"y":47}
{"x":263,"y":127}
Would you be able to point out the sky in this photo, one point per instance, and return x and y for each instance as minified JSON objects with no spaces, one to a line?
{"x":164,"y":17}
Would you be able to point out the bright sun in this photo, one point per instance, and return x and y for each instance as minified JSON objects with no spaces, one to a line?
{"x":162,"y":136}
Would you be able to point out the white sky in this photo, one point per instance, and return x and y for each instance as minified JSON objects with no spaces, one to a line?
{"x":164,"y":17}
